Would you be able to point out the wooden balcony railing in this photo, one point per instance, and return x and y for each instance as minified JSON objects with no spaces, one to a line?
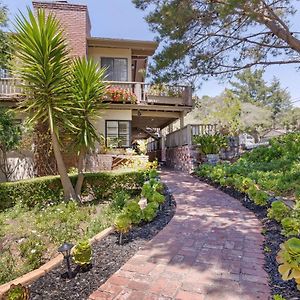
{"x":9,"y":87}
{"x":184,"y":136}
{"x":157,"y":94}
{"x":143,"y":93}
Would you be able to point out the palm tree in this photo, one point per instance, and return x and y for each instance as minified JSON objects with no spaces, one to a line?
{"x":43,"y":67}
{"x":87,"y":89}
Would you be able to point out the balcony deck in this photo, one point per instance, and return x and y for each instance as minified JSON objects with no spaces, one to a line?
{"x":134,"y":93}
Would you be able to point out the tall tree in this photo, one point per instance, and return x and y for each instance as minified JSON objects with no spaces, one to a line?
{"x":231,"y":114}
{"x":87,"y":90}
{"x":44,"y":68}
{"x":219,"y":37}
{"x":5,"y":44}
{"x":251,"y":87}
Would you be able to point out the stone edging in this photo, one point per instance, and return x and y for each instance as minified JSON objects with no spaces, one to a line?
{"x":50,"y":265}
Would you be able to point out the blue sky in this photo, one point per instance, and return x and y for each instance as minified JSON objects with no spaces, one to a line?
{"x":120,"y":19}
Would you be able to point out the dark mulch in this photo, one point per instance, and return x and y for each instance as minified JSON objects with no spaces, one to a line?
{"x":273,"y":239}
{"x":108,"y":257}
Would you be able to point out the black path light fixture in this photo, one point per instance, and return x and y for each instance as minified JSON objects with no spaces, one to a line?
{"x":65,"y":249}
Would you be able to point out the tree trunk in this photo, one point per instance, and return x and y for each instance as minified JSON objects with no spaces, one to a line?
{"x":43,"y":158}
{"x":69,"y":192}
{"x":80,"y":178}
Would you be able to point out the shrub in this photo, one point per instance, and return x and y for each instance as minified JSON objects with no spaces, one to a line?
{"x":153,"y":174}
{"x":210,"y":144}
{"x":119,"y":199}
{"x":44,"y":190}
{"x":158,"y":187}
{"x":147,"y":190}
{"x":158,"y":198}
{"x":82,"y":253}
{"x":133,"y":211}
{"x":17,"y":292}
{"x":289,"y":259}
{"x":259,"y":197}
{"x":278,"y":211}
{"x":122,"y":225}
{"x":290,"y":226}
{"x":150,"y":211}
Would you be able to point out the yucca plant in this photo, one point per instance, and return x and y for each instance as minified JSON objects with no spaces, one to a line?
{"x":43,"y":67}
{"x":87,"y":91}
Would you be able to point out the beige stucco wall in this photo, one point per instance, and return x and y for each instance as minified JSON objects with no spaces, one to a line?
{"x":96,"y":53}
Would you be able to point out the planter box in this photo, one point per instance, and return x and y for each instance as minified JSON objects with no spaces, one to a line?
{"x":165,"y":100}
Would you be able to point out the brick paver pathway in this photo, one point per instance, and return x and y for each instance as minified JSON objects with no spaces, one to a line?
{"x":211,"y":249}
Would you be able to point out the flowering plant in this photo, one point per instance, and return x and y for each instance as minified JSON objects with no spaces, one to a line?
{"x":117,"y":94}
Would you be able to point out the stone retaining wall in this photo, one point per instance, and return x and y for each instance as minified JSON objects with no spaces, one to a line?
{"x":182,"y":158}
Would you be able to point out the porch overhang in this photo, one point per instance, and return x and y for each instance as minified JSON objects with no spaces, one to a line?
{"x":143,"y":122}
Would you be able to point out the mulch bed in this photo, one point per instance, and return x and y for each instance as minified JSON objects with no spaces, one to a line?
{"x":273,"y":239}
{"x":108,"y":257}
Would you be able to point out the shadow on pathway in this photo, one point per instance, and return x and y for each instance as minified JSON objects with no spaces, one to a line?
{"x":211,"y":249}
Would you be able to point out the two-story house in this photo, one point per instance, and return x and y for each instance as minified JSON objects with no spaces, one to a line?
{"x":134,"y":108}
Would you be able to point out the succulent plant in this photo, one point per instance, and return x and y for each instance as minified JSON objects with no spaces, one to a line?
{"x":153,"y":173}
{"x":290,"y":226}
{"x":82,"y":253}
{"x":134,"y":212}
{"x":158,"y":187}
{"x":247,"y":183}
{"x":278,"y":297}
{"x":278,"y":211}
{"x":289,"y":259}
{"x":158,"y":198}
{"x":147,"y":190}
{"x":122,"y":225}
{"x":17,"y":292}
{"x":259,"y":197}
{"x":150,"y":211}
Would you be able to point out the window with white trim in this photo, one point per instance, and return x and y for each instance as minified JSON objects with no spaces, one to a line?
{"x":117,"y":133}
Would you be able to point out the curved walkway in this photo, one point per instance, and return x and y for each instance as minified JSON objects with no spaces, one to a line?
{"x":211,"y":249}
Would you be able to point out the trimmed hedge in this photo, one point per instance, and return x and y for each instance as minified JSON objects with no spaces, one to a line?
{"x":45,"y":190}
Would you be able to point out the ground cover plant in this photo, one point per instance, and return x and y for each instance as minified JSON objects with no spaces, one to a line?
{"x":275,"y":169}
{"x":35,"y":223}
{"x":108,"y":257}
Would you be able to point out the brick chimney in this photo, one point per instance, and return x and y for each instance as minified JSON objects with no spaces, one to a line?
{"x":75,"y":21}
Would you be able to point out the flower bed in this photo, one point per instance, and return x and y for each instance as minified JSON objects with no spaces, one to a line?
{"x":275,"y":169}
{"x":108,"y":257}
{"x":32,"y":230}
{"x":120,"y":95}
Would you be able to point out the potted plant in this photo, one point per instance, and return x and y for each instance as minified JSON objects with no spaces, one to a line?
{"x":210,"y":146}
{"x":160,"y":93}
{"x":120,"y":95}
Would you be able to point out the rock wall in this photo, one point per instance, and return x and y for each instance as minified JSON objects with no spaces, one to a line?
{"x":184,"y":158}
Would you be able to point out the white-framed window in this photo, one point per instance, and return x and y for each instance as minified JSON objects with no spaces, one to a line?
{"x":117,"y":133}
{"x":117,"y":68}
